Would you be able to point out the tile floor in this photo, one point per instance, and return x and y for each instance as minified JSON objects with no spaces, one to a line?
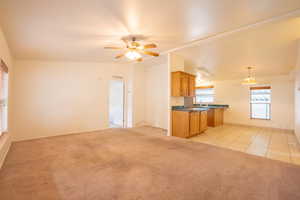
{"x":274,"y":144}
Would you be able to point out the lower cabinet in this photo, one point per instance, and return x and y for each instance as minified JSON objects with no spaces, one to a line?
{"x":188,"y":124}
{"x":203,"y":121}
{"x":194,"y":123}
{"x":180,"y":124}
{"x":215,"y":117}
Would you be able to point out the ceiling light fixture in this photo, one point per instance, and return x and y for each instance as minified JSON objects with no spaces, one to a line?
{"x":133,"y":55}
{"x":250,"y":80}
{"x":134,"y":50}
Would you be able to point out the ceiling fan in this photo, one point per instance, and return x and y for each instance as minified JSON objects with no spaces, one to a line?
{"x":133,"y":49}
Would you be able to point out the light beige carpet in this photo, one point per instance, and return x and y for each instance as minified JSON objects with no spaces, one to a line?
{"x":124,"y":164}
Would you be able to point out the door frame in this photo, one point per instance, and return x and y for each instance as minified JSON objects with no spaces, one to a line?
{"x":120,"y":78}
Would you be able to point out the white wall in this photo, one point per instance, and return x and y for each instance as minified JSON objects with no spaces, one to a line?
{"x":176,"y":63}
{"x":137,"y":86}
{"x":156,"y":95}
{"x":297,"y":95}
{"x":151,"y":93}
{"x":55,"y":98}
{"x":237,"y":96}
{"x":5,"y":140}
{"x":297,"y":104}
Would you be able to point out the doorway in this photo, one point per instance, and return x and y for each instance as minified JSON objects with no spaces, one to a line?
{"x":116,"y":103}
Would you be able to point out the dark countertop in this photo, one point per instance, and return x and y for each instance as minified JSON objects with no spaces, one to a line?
{"x":198,"y":107}
{"x":189,"y":109}
{"x":212,"y":105}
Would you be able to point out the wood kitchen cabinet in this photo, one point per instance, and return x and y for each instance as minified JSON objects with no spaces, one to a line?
{"x":180,"y":124}
{"x":192,"y":85}
{"x":194,"y":123}
{"x":183,"y":84}
{"x":215,"y":117}
{"x":188,"y":124}
{"x":203,"y":121}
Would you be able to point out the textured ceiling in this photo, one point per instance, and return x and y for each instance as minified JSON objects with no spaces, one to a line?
{"x":78,"y":29}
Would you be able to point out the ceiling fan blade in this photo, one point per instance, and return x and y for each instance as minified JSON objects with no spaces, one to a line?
{"x":113,"y":48}
{"x":139,"y":59}
{"x":119,"y":56}
{"x":150,"y":53}
{"x":150,"y":46}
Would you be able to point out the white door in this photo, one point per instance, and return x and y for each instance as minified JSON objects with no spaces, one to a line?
{"x":116,"y":103}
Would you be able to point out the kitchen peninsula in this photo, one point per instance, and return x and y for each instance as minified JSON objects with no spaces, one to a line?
{"x":191,"y":121}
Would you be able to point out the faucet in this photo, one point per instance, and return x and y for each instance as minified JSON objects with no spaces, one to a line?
{"x":204,"y":105}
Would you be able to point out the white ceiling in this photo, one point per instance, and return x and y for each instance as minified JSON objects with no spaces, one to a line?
{"x":78,"y":29}
{"x":271,"y":48}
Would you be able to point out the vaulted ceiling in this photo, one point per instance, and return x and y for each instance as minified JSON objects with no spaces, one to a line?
{"x":271,"y":48}
{"x":79,"y":29}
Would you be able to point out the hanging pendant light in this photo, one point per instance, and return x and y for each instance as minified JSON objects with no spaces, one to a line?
{"x":249,"y":80}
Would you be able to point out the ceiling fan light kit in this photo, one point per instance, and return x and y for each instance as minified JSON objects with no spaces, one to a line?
{"x":133,"y":55}
{"x":250,"y":80}
{"x":133,"y":49}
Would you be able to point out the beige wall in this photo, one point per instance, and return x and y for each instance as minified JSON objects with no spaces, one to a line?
{"x":57,"y":98}
{"x":5,"y":140}
{"x":237,"y":96}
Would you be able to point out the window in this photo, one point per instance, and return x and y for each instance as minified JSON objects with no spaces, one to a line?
{"x":205,"y":94}
{"x":3,"y":96}
{"x":260,"y":103}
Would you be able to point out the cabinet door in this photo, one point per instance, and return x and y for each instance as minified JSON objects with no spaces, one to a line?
{"x":203,"y":121}
{"x":184,"y":82}
{"x":180,"y":124}
{"x":211,"y":117}
{"x":194,"y":123}
{"x":176,"y":84}
{"x":192,"y":84}
{"x":219,"y":116}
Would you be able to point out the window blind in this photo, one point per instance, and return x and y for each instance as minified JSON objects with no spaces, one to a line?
{"x":205,"y":94}
{"x":260,"y":102}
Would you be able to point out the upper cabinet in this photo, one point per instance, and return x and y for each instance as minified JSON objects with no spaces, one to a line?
{"x":183,"y":84}
{"x":192,"y":85}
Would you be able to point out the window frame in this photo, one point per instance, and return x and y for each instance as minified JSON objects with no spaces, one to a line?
{"x":269,"y":104}
{"x":205,"y":87}
{"x":4,"y":78}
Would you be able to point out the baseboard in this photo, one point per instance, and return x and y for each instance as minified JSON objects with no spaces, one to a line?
{"x":141,"y":123}
{"x":72,"y":133}
{"x":56,"y":135}
{"x":163,"y":129}
{"x":5,"y":143}
{"x":271,"y":128}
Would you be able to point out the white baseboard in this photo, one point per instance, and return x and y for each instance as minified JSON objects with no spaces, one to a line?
{"x":56,"y":135}
{"x":5,"y":143}
{"x":141,"y":123}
